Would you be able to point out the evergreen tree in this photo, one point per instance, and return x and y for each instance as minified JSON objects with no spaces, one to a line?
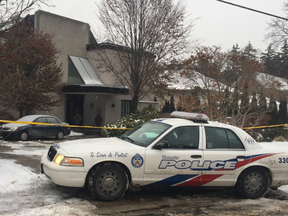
{"x":273,"y":108}
{"x":250,"y":51}
{"x":166,"y":107}
{"x":270,"y":59}
{"x":245,"y":99}
{"x":262,"y":102}
{"x":283,"y":61}
{"x":172,"y":104}
{"x":282,"y":114}
{"x":254,"y":104}
{"x":270,"y":133}
{"x":282,"y":118}
{"x":235,"y":49}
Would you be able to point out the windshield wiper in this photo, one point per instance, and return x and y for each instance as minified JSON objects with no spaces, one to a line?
{"x":131,"y":140}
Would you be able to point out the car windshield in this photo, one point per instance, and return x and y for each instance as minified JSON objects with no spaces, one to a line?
{"x":146,"y":133}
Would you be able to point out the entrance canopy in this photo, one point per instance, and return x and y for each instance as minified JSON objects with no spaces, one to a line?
{"x":95,"y":88}
{"x":85,"y":70}
{"x":82,"y":78}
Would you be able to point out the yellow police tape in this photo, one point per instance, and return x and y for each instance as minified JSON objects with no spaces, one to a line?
{"x":78,"y":126}
{"x":267,"y":126}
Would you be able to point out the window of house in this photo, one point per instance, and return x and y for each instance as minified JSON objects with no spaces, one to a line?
{"x":125,"y":108}
{"x":221,"y":138}
{"x":73,"y":74}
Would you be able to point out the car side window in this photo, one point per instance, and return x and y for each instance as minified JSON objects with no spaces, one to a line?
{"x":221,"y":138}
{"x":52,"y":121}
{"x":41,"y":120}
{"x":183,"y":138}
{"x":234,"y":141}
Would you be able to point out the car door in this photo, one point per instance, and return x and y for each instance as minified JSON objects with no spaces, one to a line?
{"x":224,"y":154}
{"x":52,"y":130}
{"x":173,"y":161}
{"x":38,"y":130}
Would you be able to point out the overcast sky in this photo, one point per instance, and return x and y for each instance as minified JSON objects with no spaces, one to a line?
{"x":217,"y":24}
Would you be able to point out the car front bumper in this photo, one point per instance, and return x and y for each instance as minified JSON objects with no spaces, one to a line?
{"x":10,"y":134}
{"x":63,"y":175}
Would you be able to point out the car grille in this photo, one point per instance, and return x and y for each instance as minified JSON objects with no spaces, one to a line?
{"x":51,"y":153}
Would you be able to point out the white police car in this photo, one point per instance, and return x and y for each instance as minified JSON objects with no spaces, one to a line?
{"x":186,"y":150}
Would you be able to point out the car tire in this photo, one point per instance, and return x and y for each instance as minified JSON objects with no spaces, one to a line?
{"x":253,"y":183}
{"x":24,"y":136}
{"x":108,"y":182}
{"x":60,"y":135}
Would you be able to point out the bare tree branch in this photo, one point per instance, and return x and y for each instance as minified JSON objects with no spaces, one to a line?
{"x":148,"y":32}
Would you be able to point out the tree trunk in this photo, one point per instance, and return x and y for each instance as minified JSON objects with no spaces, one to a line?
{"x":134,"y":104}
{"x":21,"y":112}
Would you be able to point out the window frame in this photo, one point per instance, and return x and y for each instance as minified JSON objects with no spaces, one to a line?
{"x":125,"y":107}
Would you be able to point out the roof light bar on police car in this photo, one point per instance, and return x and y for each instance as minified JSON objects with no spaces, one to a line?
{"x":190,"y":116}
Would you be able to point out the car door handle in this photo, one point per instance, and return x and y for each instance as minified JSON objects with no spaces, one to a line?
{"x":196,"y":156}
{"x":241,"y":157}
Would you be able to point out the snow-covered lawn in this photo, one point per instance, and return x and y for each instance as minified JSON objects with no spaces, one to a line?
{"x":24,"y":192}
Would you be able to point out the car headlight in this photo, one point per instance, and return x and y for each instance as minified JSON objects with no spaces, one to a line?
{"x":68,"y":161}
{"x":13,"y":129}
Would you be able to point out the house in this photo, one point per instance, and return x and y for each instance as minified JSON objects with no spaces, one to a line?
{"x":87,"y":92}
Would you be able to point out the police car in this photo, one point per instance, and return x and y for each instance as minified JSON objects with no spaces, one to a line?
{"x":184,"y":150}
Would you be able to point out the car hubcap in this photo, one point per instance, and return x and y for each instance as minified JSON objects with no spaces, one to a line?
{"x":253,"y":183}
{"x":108,"y":183}
{"x":60,"y":135}
{"x":24,"y":136}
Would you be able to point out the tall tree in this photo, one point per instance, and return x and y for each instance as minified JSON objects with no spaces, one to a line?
{"x":245,"y":103}
{"x":30,"y":76}
{"x":254,"y":103}
{"x":278,"y":29}
{"x":147,"y":31}
{"x":250,"y":51}
{"x":12,"y":11}
{"x":282,"y":112}
{"x":203,"y":70}
{"x":283,"y":61}
{"x":270,"y":60}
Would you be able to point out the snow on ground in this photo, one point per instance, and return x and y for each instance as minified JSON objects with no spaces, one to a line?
{"x":25,"y":193}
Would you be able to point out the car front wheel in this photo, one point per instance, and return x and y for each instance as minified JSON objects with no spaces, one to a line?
{"x":60,"y":135}
{"x":108,"y":182}
{"x":24,"y":136}
{"x":253,"y":183}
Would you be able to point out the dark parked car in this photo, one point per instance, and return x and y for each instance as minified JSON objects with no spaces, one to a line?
{"x":27,"y":131}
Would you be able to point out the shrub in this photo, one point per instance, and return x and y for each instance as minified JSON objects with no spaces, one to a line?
{"x":129,"y":121}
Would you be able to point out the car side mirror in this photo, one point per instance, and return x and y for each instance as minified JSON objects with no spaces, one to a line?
{"x":161,"y":144}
